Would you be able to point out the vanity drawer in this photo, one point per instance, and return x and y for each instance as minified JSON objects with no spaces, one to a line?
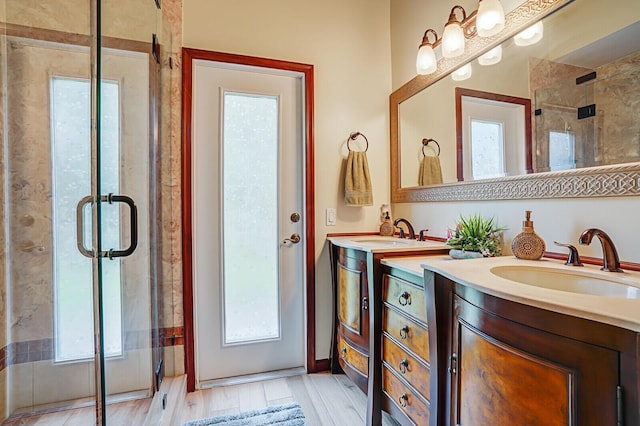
{"x":352,"y":357}
{"x":406,"y":331}
{"x":405,"y":398}
{"x":405,"y":296}
{"x":406,"y":366}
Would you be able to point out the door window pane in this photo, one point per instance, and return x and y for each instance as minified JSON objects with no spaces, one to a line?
{"x":71,"y":154}
{"x":487,"y":149}
{"x":250,"y":217}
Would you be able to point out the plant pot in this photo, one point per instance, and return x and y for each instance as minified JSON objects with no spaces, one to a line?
{"x":462,"y":254}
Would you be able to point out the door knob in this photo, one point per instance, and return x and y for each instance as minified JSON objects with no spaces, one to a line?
{"x":294,"y":238}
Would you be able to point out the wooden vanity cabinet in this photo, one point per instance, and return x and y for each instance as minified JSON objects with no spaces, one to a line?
{"x":405,"y":348}
{"x":362,"y":306}
{"x":350,"y":345}
{"x":503,"y":363}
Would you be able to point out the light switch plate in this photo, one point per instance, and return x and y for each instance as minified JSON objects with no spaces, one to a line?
{"x":331,"y":216}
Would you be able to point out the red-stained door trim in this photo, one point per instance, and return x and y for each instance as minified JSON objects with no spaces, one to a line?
{"x":188,"y":55}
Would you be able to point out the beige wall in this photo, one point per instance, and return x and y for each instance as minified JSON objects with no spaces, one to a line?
{"x":558,"y":219}
{"x":348,"y":44}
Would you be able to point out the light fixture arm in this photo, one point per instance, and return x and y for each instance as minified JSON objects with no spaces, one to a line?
{"x":468,"y":25}
{"x":425,"y":38}
{"x":452,"y":16}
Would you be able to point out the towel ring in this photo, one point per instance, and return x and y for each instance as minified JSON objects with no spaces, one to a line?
{"x":426,"y":141}
{"x":353,"y":136}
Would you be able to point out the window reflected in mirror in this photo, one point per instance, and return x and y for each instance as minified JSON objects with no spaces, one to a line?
{"x":493,"y":133}
{"x":486,"y":149}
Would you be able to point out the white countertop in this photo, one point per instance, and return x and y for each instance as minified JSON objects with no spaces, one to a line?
{"x":476,"y":273}
{"x":378,"y":244}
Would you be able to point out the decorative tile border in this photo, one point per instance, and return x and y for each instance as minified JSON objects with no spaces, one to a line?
{"x":606,"y":181}
{"x":42,"y":349}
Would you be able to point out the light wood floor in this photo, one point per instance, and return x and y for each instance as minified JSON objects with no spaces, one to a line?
{"x":326,"y":400}
{"x":123,"y":413}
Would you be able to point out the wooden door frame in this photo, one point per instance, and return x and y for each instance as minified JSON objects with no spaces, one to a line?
{"x":188,"y":55}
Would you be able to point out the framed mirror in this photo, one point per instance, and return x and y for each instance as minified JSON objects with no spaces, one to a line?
{"x":582,"y":80}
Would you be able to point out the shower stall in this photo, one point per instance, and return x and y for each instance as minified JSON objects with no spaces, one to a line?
{"x":79,"y":238}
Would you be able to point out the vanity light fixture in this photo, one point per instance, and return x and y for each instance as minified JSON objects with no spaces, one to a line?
{"x":530,"y":36}
{"x":487,"y":21}
{"x":490,"y":19}
{"x":491,"y":57}
{"x":462,"y":73}
{"x":426,"y":62}
{"x":453,"y":35}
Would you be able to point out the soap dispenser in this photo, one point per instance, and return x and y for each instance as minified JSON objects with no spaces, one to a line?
{"x":527,"y":244}
{"x":386,"y":228}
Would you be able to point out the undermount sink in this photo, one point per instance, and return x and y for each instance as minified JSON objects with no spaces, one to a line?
{"x":570,"y":281}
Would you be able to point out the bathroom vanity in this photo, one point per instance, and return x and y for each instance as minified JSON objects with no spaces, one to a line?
{"x":508,"y":352}
{"x":359,"y":315}
{"x":406,"y":364}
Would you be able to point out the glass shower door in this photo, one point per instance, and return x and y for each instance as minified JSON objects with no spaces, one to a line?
{"x":78,"y":179}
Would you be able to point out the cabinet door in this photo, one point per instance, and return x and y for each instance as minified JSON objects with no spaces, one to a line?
{"x":352,"y":299}
{"x":506,"y":373}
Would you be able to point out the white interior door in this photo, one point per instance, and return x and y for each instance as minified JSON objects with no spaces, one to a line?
{"x":247,"y":243}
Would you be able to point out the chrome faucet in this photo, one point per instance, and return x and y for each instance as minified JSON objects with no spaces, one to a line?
{"x":610,"y":260}
{"x":410,"y":230}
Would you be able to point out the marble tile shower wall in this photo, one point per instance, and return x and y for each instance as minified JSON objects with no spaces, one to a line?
{"x":3,"y":287}
{"x":619,"y":137}
{"x":171,"y":172}
{"x":611,"y":137}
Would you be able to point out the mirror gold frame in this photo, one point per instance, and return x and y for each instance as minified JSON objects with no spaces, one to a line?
{"x":603,"y":181}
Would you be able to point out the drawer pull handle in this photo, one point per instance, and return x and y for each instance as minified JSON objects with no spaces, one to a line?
{"x":403,"y":366}
{"x":405,"y":298}
{"x":344,"y":353}
{"x":404,"y":332}
{"x":403,"y":400}
{"x":453,"y":363}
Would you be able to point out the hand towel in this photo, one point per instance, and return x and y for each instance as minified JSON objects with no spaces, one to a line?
{"x":357,"y":184}
{"x":430,"y":172}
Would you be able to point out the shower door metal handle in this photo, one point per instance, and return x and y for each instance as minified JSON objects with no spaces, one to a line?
{"x":80,"y":226}
{"x":111,"y":198}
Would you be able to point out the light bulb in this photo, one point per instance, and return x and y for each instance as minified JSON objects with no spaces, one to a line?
{"x":452,"y":40}
{"x":426,"y":61}
{"x":490,"y":18}
{"x":491,"y":57}
{"x":462,"y":73}
{"x":530,"y":36}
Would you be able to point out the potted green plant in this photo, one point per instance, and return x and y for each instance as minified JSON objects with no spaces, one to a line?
{"x":475,"y":236}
